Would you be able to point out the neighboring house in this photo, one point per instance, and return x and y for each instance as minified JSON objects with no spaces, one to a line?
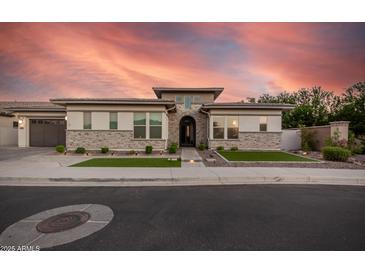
{"x":186,"y":116}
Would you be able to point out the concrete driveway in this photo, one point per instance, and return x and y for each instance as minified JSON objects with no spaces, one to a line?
{"x":16,"y":153}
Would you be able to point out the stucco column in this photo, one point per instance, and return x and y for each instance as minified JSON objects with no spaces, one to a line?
{"x":342,"y":127}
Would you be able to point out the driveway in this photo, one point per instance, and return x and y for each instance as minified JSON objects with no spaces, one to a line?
{"x":17,"y":153}
{"x":249,"y":217}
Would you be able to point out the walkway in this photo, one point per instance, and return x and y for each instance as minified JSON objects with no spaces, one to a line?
{"x":190,"y":157}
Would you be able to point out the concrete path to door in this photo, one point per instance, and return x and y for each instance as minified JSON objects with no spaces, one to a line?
{"x":190,"y":157}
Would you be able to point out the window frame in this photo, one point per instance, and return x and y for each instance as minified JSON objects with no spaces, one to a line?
{"x":263,"y":124}
{"x":179,"y":101}
{"x":110,"y":119}
{"x":89,"y":125}
{"x":145,"y":125}
{"x":215,"y":127}
{"x":190,"y":103}
{"x":154,"y":126}
{"x":235,"y":127}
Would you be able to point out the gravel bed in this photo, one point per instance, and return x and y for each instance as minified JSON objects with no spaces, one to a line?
{"x":219,"y":162}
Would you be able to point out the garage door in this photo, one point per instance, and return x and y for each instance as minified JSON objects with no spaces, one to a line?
{"x":47,"y":132}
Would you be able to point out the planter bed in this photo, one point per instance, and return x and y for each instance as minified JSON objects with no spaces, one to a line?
{"x":128,"y":162}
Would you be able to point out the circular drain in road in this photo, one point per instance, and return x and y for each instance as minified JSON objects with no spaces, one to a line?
{"x":56,"y":226}
{"x":63,"y":221}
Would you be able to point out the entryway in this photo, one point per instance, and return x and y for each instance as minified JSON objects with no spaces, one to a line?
{"x":187,"y":131}
{"x":191,"y":158}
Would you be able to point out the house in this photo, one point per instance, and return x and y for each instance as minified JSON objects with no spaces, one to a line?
{"x":186,"y":116}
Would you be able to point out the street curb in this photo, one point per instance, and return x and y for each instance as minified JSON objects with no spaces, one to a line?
{"x":192,"y":181}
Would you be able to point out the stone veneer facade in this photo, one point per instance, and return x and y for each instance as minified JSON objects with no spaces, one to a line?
{"x":200,"y":123}
{"x":251,"y":140}
{"x":114,"y":139}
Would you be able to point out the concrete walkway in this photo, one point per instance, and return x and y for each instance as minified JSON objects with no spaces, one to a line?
{"x":191,"y":158}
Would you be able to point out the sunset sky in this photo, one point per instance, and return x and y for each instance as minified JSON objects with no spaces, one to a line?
{"x":39,"y":61}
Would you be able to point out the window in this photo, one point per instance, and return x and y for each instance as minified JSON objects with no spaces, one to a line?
{"x":113,"y":120}
{"x":15,"y":124}
{"x":232,"y":127}
{"x":155,"y":125}
{"x":87,"y":120}
{"x":139,"y":121}
{"x":179,"y":99}
{"x":218,"y":127}
{"x":188,"y":101}
{"x":263,"y":123}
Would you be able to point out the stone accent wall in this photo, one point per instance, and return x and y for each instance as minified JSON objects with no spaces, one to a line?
{"x":114,"y":139}
{"x":200,"y":121}
{"x":251,"y":140}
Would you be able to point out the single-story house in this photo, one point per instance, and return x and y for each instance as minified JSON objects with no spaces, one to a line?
{"x":186,"y":116}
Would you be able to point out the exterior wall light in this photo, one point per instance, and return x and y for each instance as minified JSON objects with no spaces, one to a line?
{"x":65,"y":118}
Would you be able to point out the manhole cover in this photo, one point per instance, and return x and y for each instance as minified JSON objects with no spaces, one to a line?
{"x":63,"y":222}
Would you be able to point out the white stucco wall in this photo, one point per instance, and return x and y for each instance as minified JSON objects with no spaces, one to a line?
{"x":125,"y":120}
{"x":291,"y":139}
{"x":100,"y":120}
{"x":75,"y":120}
{"x":249,"y":123}
{"x":273,"y":123}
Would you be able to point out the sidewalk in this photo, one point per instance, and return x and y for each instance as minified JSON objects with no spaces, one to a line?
{"x":51,"y":173}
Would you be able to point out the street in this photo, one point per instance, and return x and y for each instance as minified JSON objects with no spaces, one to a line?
{"x":245,"y":217}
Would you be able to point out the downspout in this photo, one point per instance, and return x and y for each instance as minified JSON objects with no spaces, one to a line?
{"x":166,"y":112}
{"x":208,"y":123}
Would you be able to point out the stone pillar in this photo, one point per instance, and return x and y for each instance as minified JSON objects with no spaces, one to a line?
{"x":342,"y":127}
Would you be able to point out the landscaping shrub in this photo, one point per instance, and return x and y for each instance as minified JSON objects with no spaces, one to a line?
{"x":173,"y":148}
{"x":131,"y":152}
{"x":220,"y":148}
{"x":60,"y":148}
{"x":234,"y":148}
{"x":336,"y":154}
{"x":307,"y":140}
{"x":149,"y":149}
{"x":104,"y":150}
{"x":201,"y":146}
{"x":80,"y":150}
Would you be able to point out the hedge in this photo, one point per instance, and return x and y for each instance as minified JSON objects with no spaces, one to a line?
{"x":336,"y":154}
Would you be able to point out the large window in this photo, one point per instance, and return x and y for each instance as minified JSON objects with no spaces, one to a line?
{"x":139,"y":121}
{"x":232,"y":127}
{"x":113,"y":120}
{"x":87,"y":120}
{"x":188,"y":101}
{"x":155,"y":125}
{"x":179,"y":99}
{"x":218,"y":127}
{"x":263,"y":123}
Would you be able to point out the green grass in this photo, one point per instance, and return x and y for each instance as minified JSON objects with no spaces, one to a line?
{"x":128,"y":162}
{"x":258,"y":156}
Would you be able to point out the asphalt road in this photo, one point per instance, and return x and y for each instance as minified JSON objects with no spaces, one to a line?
{"x":248,"y":217}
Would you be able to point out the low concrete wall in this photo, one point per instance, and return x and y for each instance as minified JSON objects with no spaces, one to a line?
{"x":251,"y":141}
{"x":8,"y":136}
{"x":291,"y":139}
{"x":113,"y":139}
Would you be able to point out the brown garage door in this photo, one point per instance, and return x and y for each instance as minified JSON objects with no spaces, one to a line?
{"x":47,"y":132}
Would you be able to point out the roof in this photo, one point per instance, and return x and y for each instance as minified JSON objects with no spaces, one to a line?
{"x":111,"y":101}
{"x":239,"y":105}
{"x":8,"y":107}
{"x":216,"y":90}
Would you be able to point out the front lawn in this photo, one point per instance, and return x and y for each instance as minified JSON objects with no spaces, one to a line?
{"x":128,"y":162}
{"x":258,"y":156}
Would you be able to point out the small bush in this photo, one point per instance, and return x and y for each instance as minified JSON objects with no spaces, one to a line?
{"x":80,"y":150}
{"x":336,"y":154}
{"x":60,"y":148}
{"x":104,"y":150}
{"x":234,"y":148}
{"x":220,"y":148}
{"x":201,"y":146}
{"x":307,"y":139}
{"x":149,"y":149}
{"x":131,"y":152}
{"x":173,"y":148}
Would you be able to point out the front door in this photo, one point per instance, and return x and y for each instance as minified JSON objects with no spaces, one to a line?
{"x":187,"y":132}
